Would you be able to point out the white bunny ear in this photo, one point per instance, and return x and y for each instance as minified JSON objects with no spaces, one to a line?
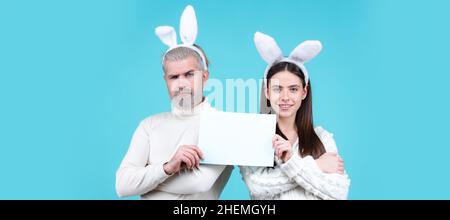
{"x":267,"y":48}
{"x":306,"y":51}
{"x":188,"y":26}
{"x":167,"y":35}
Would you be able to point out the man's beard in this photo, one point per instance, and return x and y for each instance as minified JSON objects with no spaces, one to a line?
{"x":185,"y":99}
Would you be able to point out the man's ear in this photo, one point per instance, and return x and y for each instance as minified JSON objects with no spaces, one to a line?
{"x":205,"y":76}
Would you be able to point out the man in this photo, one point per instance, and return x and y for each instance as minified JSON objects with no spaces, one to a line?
{"x":163,"y":160}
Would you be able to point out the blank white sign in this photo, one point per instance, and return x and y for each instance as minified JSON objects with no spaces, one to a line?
{"x":245,"y":139}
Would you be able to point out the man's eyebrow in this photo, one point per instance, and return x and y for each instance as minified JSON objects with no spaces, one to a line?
{"x":294,"y":85}
{"x":177,"y":74}
{"x":189,"y":71}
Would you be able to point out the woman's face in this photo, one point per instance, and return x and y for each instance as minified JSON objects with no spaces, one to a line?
{"x":285,"y":93}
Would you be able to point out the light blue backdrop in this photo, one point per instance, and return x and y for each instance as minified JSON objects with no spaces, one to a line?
{"x":76,"y":77}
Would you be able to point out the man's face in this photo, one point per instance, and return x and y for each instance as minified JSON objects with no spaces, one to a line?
{"x":185,"y":81}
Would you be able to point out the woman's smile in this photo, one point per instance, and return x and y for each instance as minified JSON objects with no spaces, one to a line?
{"x":285,"y":106}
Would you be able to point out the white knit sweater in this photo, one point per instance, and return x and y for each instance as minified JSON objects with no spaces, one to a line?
{"x":154,"y":142}
{"x":298,"y":178}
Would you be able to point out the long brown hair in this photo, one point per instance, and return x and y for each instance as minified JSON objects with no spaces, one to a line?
{"x":308,"y":141}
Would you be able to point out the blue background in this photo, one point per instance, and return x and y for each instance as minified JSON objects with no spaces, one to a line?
{"x":76,"y":78}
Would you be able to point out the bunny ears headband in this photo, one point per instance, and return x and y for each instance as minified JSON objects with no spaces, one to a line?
{"x":271,"y":53}
{"x":188,"y":33}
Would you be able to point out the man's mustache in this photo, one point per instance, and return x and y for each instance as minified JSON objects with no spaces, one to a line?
{"x":183,"y":92}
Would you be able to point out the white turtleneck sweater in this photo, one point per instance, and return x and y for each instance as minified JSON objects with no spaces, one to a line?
{"x":154,"y":142}
{"x":298,"y":178}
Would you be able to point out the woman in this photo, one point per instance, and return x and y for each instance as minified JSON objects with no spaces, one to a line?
{"x":307,"y":165}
